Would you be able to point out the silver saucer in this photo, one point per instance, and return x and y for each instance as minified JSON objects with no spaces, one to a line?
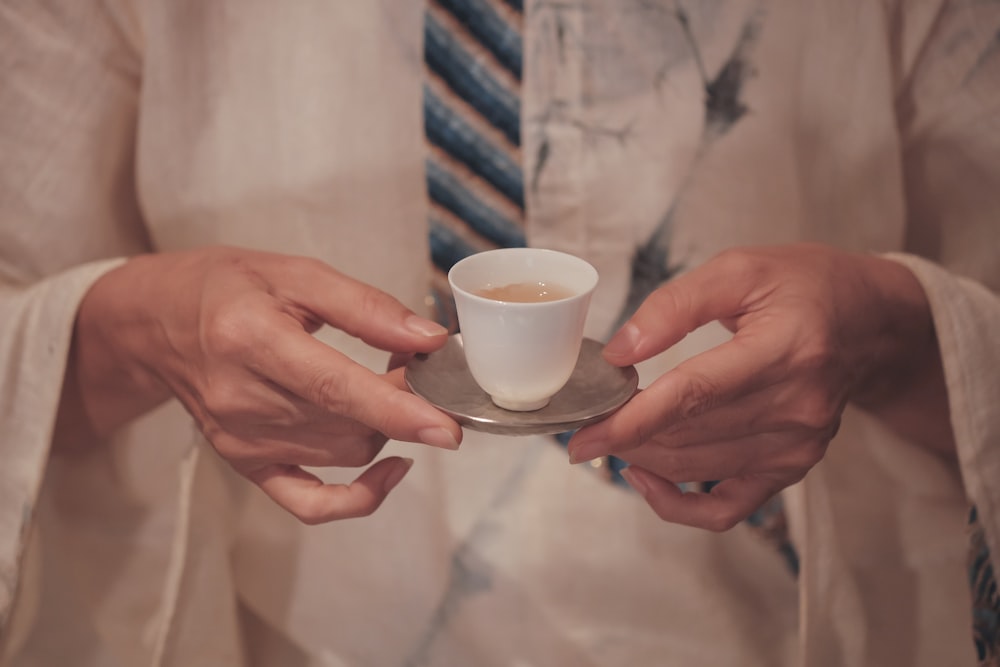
{"x":594,"y":391}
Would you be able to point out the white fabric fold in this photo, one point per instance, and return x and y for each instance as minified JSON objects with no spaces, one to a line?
{"x":967,"y":321}
{"x":36,"y":328}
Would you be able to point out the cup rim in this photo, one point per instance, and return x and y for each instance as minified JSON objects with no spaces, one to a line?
{"x":594,"y":277}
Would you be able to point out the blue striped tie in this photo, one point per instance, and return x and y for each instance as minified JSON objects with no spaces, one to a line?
{"x":472,"y":119}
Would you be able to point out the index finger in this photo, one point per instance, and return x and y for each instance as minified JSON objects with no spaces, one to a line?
{"x":359,"y":309}
{"x":327,"y":378}
{"x":719,"y":376}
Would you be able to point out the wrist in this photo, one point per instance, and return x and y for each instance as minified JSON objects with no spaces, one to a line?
{"x":117,"y":347}
{"x":899,"y":331}
{"x":900,"y":378}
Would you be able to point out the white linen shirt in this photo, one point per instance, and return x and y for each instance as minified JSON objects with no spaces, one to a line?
{"x":133,"y":126}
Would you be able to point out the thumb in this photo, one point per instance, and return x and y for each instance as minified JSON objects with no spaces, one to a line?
{"x":713,"y":291}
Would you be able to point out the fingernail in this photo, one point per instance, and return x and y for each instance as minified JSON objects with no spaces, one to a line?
{"x":397,"y":474}
{"x":585,"y":452}
{"x":624,"y":342}
{"x":424,"y":327}
{"x":437,"y":436}
{"x":637,"y":482}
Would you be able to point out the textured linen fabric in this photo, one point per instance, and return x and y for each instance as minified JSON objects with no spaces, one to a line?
{"x":676,"y":130}
{"x":870,"y":126}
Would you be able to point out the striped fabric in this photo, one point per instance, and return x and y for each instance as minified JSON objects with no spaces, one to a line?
{"x":985,"y":596}
{"x":472,"y":119}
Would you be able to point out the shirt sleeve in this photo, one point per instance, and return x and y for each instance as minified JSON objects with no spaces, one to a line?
{"x":967,"y":320}
{"x":949,"y":111}
{"x":68,"y":214}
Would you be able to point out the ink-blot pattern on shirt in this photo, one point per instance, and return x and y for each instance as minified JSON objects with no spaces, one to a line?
{"x":474,"y":54}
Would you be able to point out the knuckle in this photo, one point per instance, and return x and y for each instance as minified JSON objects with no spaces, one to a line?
{"x":311,"y":515}
{"x":808,"y":454}
{"x":331,"y":390}
{"x":314,"y":510}
{"x":640,"y":434}
{"x":740,"y":264}
{"x":816,"y":409}
{"x":832,"y":431}
{"x":817,"y":356}
{"x":818,"y":395}
{"x":700,"y":395}
{"x":231,"y":449}
{"x":723,"y":519}
{"x":361,"y":511}
{"x":232,"y":331}
{"x":373,"y":304}
{"x":283,"y":414}
{"x":226,"y":400}
{"x":669,"y":299}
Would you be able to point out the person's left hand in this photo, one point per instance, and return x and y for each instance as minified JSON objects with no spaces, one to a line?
{"x":814,"y":328}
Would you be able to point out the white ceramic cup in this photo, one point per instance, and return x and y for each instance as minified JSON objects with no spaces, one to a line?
{"x":521,"y":354}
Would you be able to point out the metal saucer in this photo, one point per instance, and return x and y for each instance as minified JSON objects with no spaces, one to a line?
{"x":594,"y":391}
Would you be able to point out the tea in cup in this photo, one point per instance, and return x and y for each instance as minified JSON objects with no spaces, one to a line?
{"x":521,"y":312}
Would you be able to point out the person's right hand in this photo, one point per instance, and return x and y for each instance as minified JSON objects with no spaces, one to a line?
{"x":228,"y":332}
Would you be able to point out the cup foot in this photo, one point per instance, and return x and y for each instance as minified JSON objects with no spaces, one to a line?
{"x":520,"y":406}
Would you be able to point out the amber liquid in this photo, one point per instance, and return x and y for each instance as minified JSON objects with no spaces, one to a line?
{"x":526,"y":292}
